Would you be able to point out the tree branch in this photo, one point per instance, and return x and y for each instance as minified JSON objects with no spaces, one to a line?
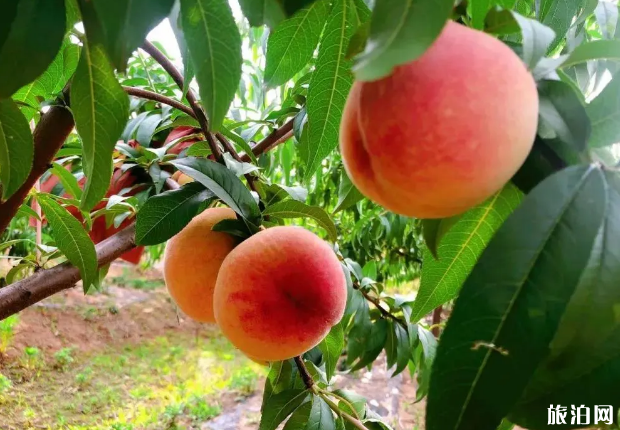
{"x":49,"y":136}
{"x":150,"y":95}
{"x":386,"y":313}
{"x":276,"y":137}
{"x":191,"y":98}
{"x":334,"y":407}
{"x":44,"y":283}
{"x":305,"y":375}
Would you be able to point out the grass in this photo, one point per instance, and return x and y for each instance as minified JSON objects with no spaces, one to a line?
{"x":170,"y":382}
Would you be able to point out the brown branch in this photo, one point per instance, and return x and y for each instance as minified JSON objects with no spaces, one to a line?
{"x":305,"y":375}
{"x":276,"y":137}
{"x":386,"y":313}
{"x":191,"y":98}
{"x":436,"y":320}
{"x":150,"y":95}
{"x":44,"y":283}
{"x":49,"y":136}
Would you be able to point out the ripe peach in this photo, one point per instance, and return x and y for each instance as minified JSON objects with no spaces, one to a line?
{"x":192,"y":260}
{"x":279,"y":293}
{"x":443,"y":132}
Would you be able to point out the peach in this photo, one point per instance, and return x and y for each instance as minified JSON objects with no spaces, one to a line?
{"x":192,"y":260}
{"x":181,"y":178}
{"x":444,"y":132}
{"x":279,"y":293}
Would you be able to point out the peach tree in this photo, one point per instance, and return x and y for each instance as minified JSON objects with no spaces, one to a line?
{"x":477,"y":151}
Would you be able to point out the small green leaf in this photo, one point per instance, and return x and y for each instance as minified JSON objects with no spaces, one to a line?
{"x":434,"y":230}
{"x":16,"y":148}
{"x":100,"y":108}
{"x":361,"y":331}
{"x":595,"y":50}
{"x":400,"y":32}
{"x":561,"y":111}
{"x":125,"y":24}
{"x":68,"y":181}
{"x":558,"y":15}
{"x":332,"y":347}
{"x":329,"y":86}
{"x":224,"y":184}
{"x":233,"y":227}
{"x":604,"y":114}
{"x":321,"y":417}
{"x":144,"y":131}
{"x":165,"y":214}
{"x":296,"y":209}
{"x":511,"y":304}
{"x":280,"y":406}
{"x":71,"y":239}
{"x":459,"y":250}
{"x":374,"y":344}
{"x":348,"y":194}
{"x":33,"y":40}
{"x":292,"y":43}
{"x":398,"y":344}
{"x":214,"y":45}
{"x":536,"y":39}
{"x":260,"y":12}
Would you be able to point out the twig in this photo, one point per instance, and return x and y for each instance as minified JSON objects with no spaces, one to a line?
{"x":305,"y":375}
{"x":378,"y":305}
{"x":191,"y":98}
{"x":276,"y":137}
{"x":334,"y":407}
{"x":436,"y":324}
{"x":342,"y":399}
{"x":150,"y":95}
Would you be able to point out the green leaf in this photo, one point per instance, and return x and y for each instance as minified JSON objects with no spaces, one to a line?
{"x":329,"y":86}
{"x":604,"y":114}
{"x":68,"y":181}
{"x":348,"y":194}
{"x":16,"y":148}
{"x":147,"y":127}
{"x":321,"y":417}
{"x":355,"y":400}
{"x":558,"y":15}
{"x":224,"y":184}
{"x":332,"y":347}
{"x":300,"y":417}
{"x":479,"y":9}
{"x":34,"y":39}
{"x":561,"y":111}
{"x":126,"y":23}
{"x":511,"y":304}
{"x":280,"y":406}
{"x":374,"y":344}
{"x":500,"y":21}
{"x":165,"y":214}
{"x":400,"y":32}
{"x":595,"y":50}
{"x":433,"y":230}
{"x":214,"y":45}
{"x":361,"y":331}
{"x":260,"y":12}
{"x":297,"y":209}
{"x":292,"y":43}
{"x":71,"y":239}
{"x":536,"y":39}
{"x":234,"y":227}
{"x":459,"y":250}
{"x":188,"y":66}
{"x":397,"y":347}
{"x":100,"y":108}
{"x":279,"y":378}
{"x":583,"y":364}
{"x":51,"y":81}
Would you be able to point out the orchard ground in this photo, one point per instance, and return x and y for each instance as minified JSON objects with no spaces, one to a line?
{"x":124,"y":359}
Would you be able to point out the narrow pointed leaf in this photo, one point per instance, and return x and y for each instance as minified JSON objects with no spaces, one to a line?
{"x":214,"y":45}
{"x":68,"y":181}
{"x":329,"y":86}
{"x":321,"y":417}
{"x":595,"y":50}
{"x":332,"y":347}
{"x":71,"y":239}
{"x":604,"y":114}
{"x":100,"y":108}
{"x":536,"y":39}
{"x":279,"y":407}
{"x":223,"y":183}
{"x":459,"y":250}
{"x":434,"y":230}
{"x":400,"y":31}
{"x":292,"y":43}
{"x":300,"y":417}
{"x":348,"y":194}
{"x":165,"y":214}
{"x":297,"y":209}
{"x":16,"y":148}
{"x":30,"y":45}
{"x":511,"y":304}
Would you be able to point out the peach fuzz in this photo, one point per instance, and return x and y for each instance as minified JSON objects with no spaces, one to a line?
{"x":192,"y":260}
{"x":444,"y":132}
{"x":279,"y":293}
